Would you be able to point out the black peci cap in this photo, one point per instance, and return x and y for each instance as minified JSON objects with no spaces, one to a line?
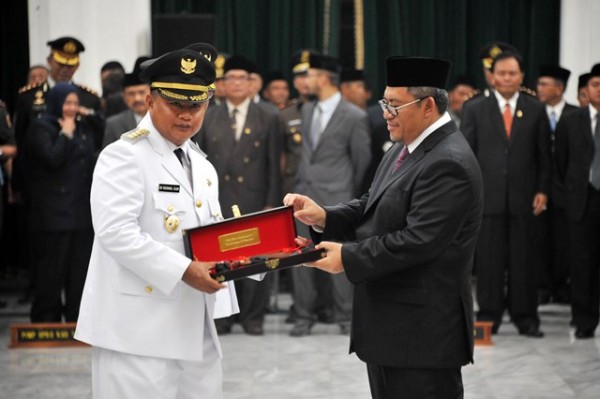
{"x":182,"y":75}
{"x":325,"y":62}
{"x":65,"y":50}
{"x":417,"y":72}
{"x":352,"y":75}
{"x":595,"y":71}
{"x":556,"y":72}
{"x":133,"y":78}
{"x":583,"y":80}
{"x":273,"y":76}
{"x":239,"y":62}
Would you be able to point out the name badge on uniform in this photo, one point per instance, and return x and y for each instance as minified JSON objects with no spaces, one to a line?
{"x":169,"y":188}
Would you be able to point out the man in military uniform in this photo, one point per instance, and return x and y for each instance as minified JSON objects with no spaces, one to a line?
{"x":147,"y":309}
{"x":63,"y":62}
{"x":276,"y":90}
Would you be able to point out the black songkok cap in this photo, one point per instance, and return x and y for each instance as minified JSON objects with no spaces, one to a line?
{"x":417,"y":72}
{"x":65,"y":50}
{"x":239,"y":62}
{"x":583,"y":80}
{"x":462,"y":80}
{"x":352,"y":75}
{"x":595,"y":71}
{"x":133,"y":78}
{"x":182,"y":75}
{"x":490,"y":51}
{"x":272,"y":76}
{"x":318,"y":61}
{"x":556,"y":72}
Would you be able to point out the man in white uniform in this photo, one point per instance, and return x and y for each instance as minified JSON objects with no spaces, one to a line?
{"x":147,"y":309}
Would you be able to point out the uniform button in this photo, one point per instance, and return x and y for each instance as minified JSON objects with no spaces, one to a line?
{"x":198,"y":204}
{"x":227,"y":177}
{"x":170,"y":208}
{"x":240,"y":179}
{"x":257,"y":144}
{"x":148,"y":289}
{"x":246,"y":160}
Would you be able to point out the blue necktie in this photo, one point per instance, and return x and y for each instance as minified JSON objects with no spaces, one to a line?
{"x":553,"y":120}
{"x":596,"y":161}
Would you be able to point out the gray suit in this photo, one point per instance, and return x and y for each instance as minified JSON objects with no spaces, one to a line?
{"x":331,"y":173}
{"x":118,"y":124}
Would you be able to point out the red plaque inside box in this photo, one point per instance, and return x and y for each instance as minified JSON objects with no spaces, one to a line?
{"x":260,"y":233}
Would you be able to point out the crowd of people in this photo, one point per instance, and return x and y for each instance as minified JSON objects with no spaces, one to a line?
{"x":537,"y":154}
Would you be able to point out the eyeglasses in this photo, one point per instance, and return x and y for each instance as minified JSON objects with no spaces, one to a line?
{"x":394,"y":110}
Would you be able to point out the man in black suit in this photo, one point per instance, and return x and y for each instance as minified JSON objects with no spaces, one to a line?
{"x":407,"y":245}
{"x":243,"y":142}
{"x":552,"y":225}
{"x":509,"y":133}
{"x":134,"y":94}
{"x":578,"y":164}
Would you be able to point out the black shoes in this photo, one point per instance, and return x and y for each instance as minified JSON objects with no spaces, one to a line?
{"x":301,"y":330}
{"x":584,"y":334}
{"x":254,"y":328}
{"x":531,"y":332}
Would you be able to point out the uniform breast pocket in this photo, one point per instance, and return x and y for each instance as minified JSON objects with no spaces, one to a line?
{"x":171,"y":213}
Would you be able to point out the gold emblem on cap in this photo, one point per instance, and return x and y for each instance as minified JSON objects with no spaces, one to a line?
{"x":70,"y":47}
{"x":519,"y":113}
{"x":207,"y":56}
{"x":247,"y":130}
{"x":188,"y":66}
{"x":171,"y":223}
{"x":495,"y":51}
{"x":304,"y":56}
{"x":297,"y":137}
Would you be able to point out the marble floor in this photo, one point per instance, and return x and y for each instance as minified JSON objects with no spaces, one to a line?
{"x":318,"y":366}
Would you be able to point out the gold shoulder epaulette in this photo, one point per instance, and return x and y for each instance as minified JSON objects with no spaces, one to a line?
{"x":134,"y":135}
{"x":88,"y":89}
{"x":28,"y":87}
{"x":527,"y":90}
{"x":474,"y":93}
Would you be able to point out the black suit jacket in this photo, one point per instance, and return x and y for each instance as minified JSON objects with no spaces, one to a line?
{"x":409,"y":252}
{"x":574,"y":151}
{"x":59,"y":175}
{"x":513,"y":170}
{"x":558,"y":189}
{"x":249,"y":169}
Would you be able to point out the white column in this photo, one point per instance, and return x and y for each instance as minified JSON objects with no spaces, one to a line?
{"x":579,"y":40}
{"x":117,"y":30}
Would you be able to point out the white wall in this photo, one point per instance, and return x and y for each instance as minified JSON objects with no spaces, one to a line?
{"x":579,"y":44}
{"x":109,"y":29}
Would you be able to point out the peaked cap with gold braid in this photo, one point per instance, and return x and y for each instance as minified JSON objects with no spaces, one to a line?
{"x":65,"y":50}
{"x":182,"y":75}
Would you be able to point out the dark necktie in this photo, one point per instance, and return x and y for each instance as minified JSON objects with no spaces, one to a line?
{"x":403,"y":154}
{"x":179,"y":153}
{"x":596,"y":160}
{"x":234,"y":123}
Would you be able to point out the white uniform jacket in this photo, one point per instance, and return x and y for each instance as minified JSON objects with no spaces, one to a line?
{"x":134,"y":300}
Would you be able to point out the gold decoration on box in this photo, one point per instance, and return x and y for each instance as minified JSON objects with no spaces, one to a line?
{"x":272,"y":264}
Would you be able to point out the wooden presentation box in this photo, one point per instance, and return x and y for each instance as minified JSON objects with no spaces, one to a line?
{"x":250,"y":244}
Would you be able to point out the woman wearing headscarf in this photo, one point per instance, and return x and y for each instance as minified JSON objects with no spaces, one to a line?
{"x":61,"y":153}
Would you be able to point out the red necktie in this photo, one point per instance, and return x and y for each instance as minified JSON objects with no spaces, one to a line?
{"x":403,"y":154}
{"x":508,"y":118}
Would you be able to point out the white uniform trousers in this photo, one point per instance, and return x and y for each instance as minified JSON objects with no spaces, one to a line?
{"x":117,"y":375}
